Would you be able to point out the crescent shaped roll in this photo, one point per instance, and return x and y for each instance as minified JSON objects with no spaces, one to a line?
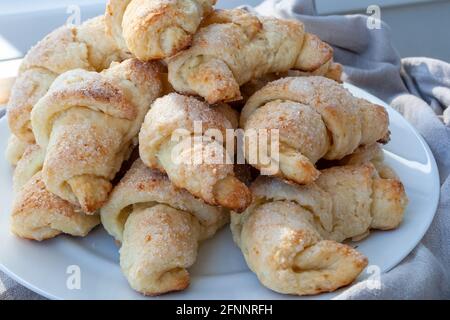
{"x":38,"y":214}
{"x":88,"y":124}
{"x":159,"y":226}
{"x":316,"y":118}
{"x":290,"y":236}
{"x":168,"y":142}
{"x":233,"y":47}
{"x":15,"y":149}
{"x":155,"y":29}
{"x":66,"y":48}
{"x":370,"y":153}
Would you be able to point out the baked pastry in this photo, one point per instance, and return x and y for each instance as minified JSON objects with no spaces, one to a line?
{"x":159,"y":227}
{"x":38,"y":214}
{"x":15,"y":149}
{"x":290,"y":234}
{"x":194,"y":160}
{"x":362,"y":200}
{"x":233,"y":46}
{"x":68,"y":47}
{"x":88,"y":124}
{"x":254,"y":85}
{"x":155,"y":29}
{"x":281,"y":245}
{"x":316,"y":118}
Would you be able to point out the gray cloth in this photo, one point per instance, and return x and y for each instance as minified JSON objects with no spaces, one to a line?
{"x":420,"y":89}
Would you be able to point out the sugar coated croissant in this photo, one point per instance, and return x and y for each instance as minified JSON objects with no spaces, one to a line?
{"x":316,"y":118}
{"x":155,"y":29}
{"x":38,"y":214}
{"x":290,"y":236}
{"x":159,"y":226}
{"x":204,"y":168}
{"x":15,"y":149}
{"x":88,"y":124}
{"x":233,"y":46}
{"x":68,"y":47}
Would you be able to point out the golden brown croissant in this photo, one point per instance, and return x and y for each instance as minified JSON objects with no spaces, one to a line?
{"x":233,"y":46}
{"x":68,"y":47}
{"x":316,"y":118}
{"x":290,"y":234}
{"x":205,"y":169}
{"x":155,"y":29}
{"x":88,"y":124}
{"x":38,"y":214}
{"x":159,"y":227}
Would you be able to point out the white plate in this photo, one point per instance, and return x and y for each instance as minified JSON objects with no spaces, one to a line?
{"x":220,"y":272}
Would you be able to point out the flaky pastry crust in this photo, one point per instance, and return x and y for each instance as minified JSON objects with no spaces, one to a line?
{"x":233,"y":47}
{"x":155,"y":29}
{"x":290,"y":236}
{"x":204,"y":168}
{"x":316,"y":118}
{"x":159,"y":227}
{"x":66,"y":48}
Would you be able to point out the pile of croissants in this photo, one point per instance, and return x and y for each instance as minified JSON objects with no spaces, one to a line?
{"x":93,"y":110}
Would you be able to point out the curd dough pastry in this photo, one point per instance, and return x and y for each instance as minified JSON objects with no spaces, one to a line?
{"x":38,"y":214}
{"x":15,"y":149}
{"x":316,"y":118}
{"x":159,"y":227}
{"x":205,"y":168}
{"x":69,"y":47}
{"x":30,"y":163}
{"x":370,"y":153}
{"x":233,"y":47}
{"x":254,"y":85}
{"x":290,"y":234}
{"x":88,"y":124}
{"x":155,"y":29}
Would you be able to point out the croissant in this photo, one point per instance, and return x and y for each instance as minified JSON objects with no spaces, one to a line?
{"x":88,"y":124}
{"x":370,"y":153}
{"x":159,"y":227}
{"x":316,"y":118}
{"x":233,"y":46}
{"x":290,"y":234}
{"x":204,"y":168}
{"x":68,"y":47}
{"x":29,"y":164}
{"x":38,"y":214}
{"x":155,"y":29}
